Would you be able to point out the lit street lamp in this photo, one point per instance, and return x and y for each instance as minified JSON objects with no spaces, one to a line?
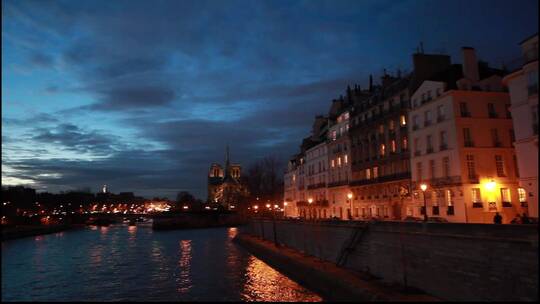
{"x":424,"y":187}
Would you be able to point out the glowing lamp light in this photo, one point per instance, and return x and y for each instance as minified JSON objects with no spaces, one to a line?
{"x":423,"y":187}
{"x":267,"y":205}
{"x":276,"y":206}
{"x":491,"y":185}
{"x":255,"y":207}
{"x":310,"y":200}
{"x":185,"y":207}
{"x":285,"y":204}
{"x":349,"y":195}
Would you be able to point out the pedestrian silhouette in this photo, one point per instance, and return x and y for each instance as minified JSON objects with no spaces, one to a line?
{"x":497,"y":219}
{"x":516,"y":220}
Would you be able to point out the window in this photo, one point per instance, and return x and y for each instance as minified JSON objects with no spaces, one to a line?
{"x":339,"y":161}
{"x":419,"y":171}
{"x":467,"y":139}
{"x":476,"y":197}
{"x":522,"y":195}
{"x":534,"y":110}
{"x":508,"y":112}
{"x":429,"y":146}
{"x":334,"y":135}
{"x":375,"y":172}
{"x":333,"y":164}
{"x":448,"y":195}
{"x":391,"y":125}
{"x":499,"y":163}
{"x":429,"y":95}
{"x":438,"y":92}
{"x":432,"y":168}
{"x":470,"y":167}
{"x":383,"y":149}
{"x":346,"y":158}
{"x":393,"y":145}
{"x":512,"y":136}
{"x":368,"y":173}
{"x":404,"y":143}
{"x":403,"y":120}
{"x":415,"y":122}
{"x":491,"y":110}
{"x":416,"y":149}
{"x":427,"y":118}
{"x":446,"y":167}
{"x":495,"y":138}
{"x":505,"y":195}
{"x":381,"y":129}
{"x":464,"y":110}
{"x":440,"y":113}
{"x":443,"y":138}
{"x":533,"y":83}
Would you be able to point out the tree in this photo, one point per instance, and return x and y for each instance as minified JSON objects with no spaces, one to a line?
{"x":263,"y":180}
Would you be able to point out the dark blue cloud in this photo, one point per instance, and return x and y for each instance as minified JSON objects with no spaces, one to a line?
{"x":160,"y":87}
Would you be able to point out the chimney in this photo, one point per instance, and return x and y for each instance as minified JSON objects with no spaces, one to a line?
{"x":470,"y":64}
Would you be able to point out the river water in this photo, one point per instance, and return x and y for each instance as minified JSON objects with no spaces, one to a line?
{"x":135,"y":263}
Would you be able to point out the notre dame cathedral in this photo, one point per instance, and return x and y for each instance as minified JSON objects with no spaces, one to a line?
{"x":225,"y":186}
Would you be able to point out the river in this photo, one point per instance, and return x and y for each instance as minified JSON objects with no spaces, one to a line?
{"x":135,"y":263}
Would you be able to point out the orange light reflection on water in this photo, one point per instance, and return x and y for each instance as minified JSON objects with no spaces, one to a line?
{"x":263,"y":283}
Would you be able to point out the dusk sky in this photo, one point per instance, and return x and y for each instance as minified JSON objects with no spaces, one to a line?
{"x":144,"y":95}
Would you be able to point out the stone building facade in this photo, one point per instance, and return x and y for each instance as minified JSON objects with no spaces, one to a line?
{"x":225,"y":186}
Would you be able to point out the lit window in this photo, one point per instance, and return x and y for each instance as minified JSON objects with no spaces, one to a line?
{"x":393,"y":145}
{"x":403,"y":120}
{"x":522,"y":195}
{"x":505,"y":195}
{"x":448,"y":195}
{"x":333,"y":164}
{"x":375,"y":172}
{"x":475,"y":193}
{"x":383,"y":149}
{"x":346,"y":158}
{"x":339,"y":161}
{"x":368,"y":173}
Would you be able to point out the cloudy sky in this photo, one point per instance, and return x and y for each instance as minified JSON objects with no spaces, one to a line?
{"x":144,"y":95}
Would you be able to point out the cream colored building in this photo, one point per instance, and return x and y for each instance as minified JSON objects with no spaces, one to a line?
{"x":461,"y":145}
{"x":523,"y":87}
{"x":316,"y":166}
{"x":339,"y":166}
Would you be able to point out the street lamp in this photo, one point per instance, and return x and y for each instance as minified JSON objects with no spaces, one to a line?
{"x":350,"y":195}
{"x":310,"y":200}
{"x":424,"y":187}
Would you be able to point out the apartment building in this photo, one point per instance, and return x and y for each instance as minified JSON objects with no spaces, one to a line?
{"x":461,"y":134}
{"x":523,"y":88}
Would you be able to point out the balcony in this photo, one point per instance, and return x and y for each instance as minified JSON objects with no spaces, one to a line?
{"x":450,"y":210}
{"x":478,"y":205}
{"x":429,"y":150}
{"x":338,"y":183}
{"x":443,"y":147}
{"x":473,"y":179}
{"x":316,"y":186}
{"x":469,"y":143}
{"x":319,"y":203}
{"x":466,"y":114}
{"x":445,"y":181}
{"x":381,"y":179}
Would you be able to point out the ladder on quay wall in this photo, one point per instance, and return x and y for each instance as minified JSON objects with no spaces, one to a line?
{"x":350,"y":245}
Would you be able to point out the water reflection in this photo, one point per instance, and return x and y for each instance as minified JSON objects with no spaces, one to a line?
{"x":266,"y":284}
{"x":184,"y":279}
{"x":127,"y":263}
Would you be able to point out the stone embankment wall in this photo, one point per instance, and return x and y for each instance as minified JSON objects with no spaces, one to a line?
{"x":478,"y":262}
